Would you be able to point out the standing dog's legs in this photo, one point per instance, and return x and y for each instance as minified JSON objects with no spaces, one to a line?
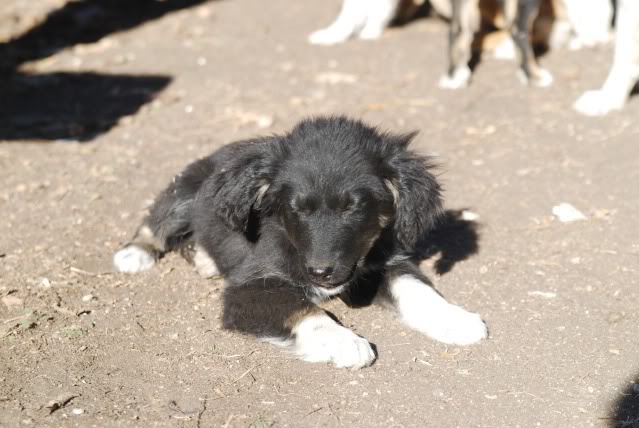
{"x":526,"y":11}
{"x":379,"y":15}
{"x":464,"y":24}
{"x":625,"y":67}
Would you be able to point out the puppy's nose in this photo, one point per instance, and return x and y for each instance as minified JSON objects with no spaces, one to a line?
{"x":320,"y":273}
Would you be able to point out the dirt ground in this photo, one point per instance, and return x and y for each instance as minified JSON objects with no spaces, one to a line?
{"x":103,"y":101}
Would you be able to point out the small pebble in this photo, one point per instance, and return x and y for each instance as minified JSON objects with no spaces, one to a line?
{"x":469,"y":216}
{"x":567,"y":213}
{"x":264,"y":121}
{"x":87,"y":298}
{"x":77,"y":411}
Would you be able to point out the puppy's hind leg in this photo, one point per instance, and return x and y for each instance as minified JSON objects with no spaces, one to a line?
{"x":168,"y":224}
{"x":165,"y":226}
{"x":463,"y":26}
{"x":140,"y":254}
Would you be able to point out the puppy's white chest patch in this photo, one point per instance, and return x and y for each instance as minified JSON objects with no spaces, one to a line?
{"x":320,"y":339}
{"x":321,"y":294}
{"x":423,"y":309}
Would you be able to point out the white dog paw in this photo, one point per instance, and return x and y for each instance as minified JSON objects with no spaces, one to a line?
{"x":459,"y":79}
{"x":133,"y":259}
{"x":543,"y":78}
{"x":597,"y":103}
{"x":452,"y":325}
{"x":320,"y":339}
{"x":328,"y":37}
{"x":423,"y":309}
{"x":204,"y":264}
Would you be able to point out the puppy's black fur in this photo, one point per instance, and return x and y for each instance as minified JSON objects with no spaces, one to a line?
{"x":334,"y":207}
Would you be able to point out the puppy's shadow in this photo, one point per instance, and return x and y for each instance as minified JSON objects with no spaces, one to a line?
{"x":454,"y":239}
{"x":625,"y":410}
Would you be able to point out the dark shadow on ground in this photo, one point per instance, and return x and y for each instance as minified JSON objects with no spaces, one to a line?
{"x":75,"y":106}
{"x":84,"y":21}
{"x":454,"y":240}
{"x":625,"y":411}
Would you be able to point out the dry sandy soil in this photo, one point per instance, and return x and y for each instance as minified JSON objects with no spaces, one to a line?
{"x":101,"y":102}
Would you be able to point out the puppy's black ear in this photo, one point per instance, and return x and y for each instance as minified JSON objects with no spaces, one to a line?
{"x":242,"y":180}
{"x":416,"y":192}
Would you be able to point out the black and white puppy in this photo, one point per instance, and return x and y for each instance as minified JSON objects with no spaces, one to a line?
{"x":332,"y":208}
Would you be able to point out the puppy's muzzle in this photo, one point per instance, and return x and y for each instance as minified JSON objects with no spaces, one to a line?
{"x":321,"y":275}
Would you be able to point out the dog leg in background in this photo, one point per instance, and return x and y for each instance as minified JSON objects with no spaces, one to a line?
{"x":380,"y":13}
{"x":526,"y":11}
{"x":624,"y":72}
{"x":281,"y":314}
{"x":464,"y":24}
{"x":423,"y":309}
{"x":364,"y":18}
{"x":590,"y":22}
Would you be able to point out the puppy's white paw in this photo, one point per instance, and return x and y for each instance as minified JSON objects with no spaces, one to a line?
{"x":459,"y":79}
{"x":320,"y":339}
{"x":204,"y":264}
{"x":133,"y":259}
{"x":452,"y":325}
{"x":423,"y":309}
{"x":598,"y":103}
{"x":328,"y":36}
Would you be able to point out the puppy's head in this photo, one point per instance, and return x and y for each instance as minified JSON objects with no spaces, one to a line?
{"x":334,"y":185}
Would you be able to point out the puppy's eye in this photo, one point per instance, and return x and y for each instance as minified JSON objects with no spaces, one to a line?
{"x":347,"y":205}
{"x":302,"y":206}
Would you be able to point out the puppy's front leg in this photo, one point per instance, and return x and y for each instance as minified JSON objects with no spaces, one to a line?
{"x":282,"y":314}
{"x":423,"y":309}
